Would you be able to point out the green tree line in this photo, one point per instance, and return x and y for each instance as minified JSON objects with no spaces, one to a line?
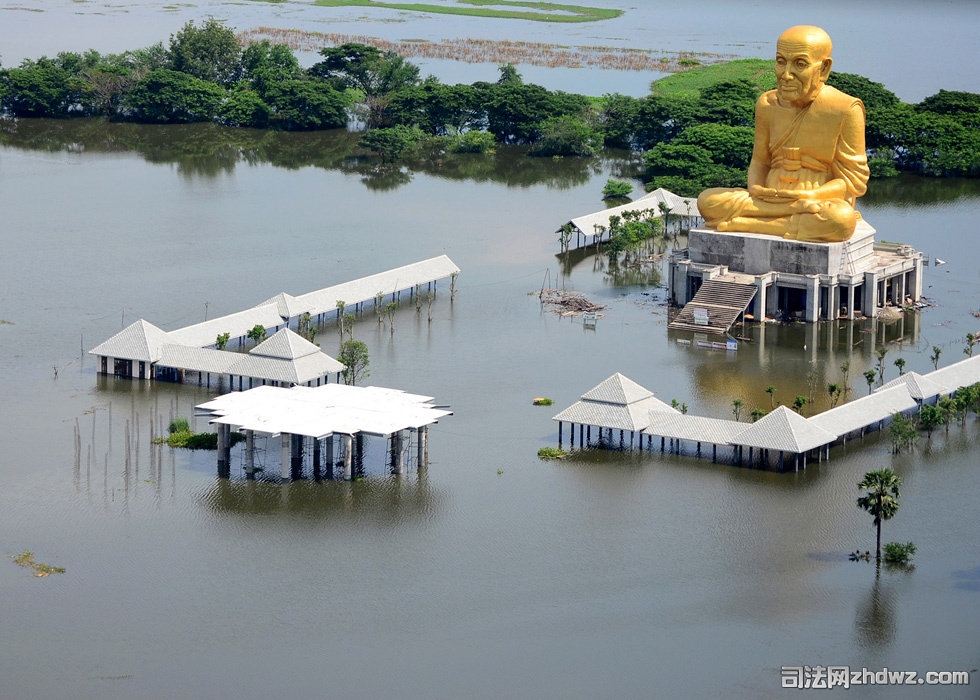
{"x":690,"y":140}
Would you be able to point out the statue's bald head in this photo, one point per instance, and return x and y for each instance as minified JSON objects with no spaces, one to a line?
{"x":813,"y":38}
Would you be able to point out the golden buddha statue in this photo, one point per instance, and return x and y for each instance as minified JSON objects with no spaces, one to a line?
{"x":808,"y":162}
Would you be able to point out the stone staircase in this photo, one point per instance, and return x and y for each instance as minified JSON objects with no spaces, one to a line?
{"x":715,"y":307}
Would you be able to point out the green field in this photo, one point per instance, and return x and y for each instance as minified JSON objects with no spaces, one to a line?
{"x":758,"y":71}
{"x":535,"y":11}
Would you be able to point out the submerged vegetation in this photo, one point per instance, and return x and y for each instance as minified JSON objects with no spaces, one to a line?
{"x":535,"y":11}
{"x":26,"y":559}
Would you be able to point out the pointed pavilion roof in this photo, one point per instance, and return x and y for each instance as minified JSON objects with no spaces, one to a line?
{"x":785,"y":430}
{"x":920,"y":387}
{"x":284,"y":344}
{"x":618,"y":403}
{"x":287,"y":305}
{"x":617,"y":389}
{"x":140,"y":341}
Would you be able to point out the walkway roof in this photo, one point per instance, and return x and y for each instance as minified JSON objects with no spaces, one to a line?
{"x":238,"y":324}
{"x":959,"y":374}
{"x":718,"y":431}
{"x":324,"y":410}
{"x":784,"y":430}
{"x":865,"y":411}
{"x":683,"y":206}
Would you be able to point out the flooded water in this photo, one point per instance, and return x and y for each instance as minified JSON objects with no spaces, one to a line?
{"x":491,"y":573}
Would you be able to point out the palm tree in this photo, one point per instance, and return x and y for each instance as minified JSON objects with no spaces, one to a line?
{"x":971,"y":340}
{"x":881,"y":499}
{"x":771,"y":390}
{"x":900,"y":363}
{"x":936,"y":352}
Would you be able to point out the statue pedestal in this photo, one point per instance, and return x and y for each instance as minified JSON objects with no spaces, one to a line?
{"x":794,"y":279}
{"x":758,"y":253}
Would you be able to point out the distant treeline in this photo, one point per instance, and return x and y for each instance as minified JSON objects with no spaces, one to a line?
{"x":689,"y":140}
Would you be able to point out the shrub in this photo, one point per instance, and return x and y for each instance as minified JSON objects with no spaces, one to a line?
{"x":179,"y":425}
{"x":551,"y":453}
{"x":898,"y":553}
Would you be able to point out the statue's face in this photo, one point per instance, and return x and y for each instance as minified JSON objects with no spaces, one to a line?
{"x":801,"y":70}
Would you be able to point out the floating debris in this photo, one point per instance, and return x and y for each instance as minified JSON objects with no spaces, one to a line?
{"x":566,"y":303}
{"x":26,"y":559}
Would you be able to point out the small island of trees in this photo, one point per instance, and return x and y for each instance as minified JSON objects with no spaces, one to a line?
{"x":694,"y":129}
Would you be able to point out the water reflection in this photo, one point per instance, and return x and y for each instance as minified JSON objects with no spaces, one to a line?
{"x":875,"y":622}
{"x":396,"y":500}
{"x":208,"y":150}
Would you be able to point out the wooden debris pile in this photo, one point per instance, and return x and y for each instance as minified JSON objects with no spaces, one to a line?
{"x":566,"y":303}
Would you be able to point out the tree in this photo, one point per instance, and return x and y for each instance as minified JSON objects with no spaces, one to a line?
{"x":936,"y":352}
{"x":881,"y":352}
{"x":391,"y":143}
{"x":834,"y":390}
{"x":368,"y":69}
{"x":354,"y":356}
{"x":930,"y":418}
{"x":256,"y":333}
{"x":971,"y":340}
{"x":900,"y":363}
{"x":902,"y":431}
{"x":210,"y":53}
{"x":737,"y":408}
{"x":41,"y":88}
{"x":948,"y":410}
{"x":221,"y":342}
{"x":771,"y":390}
{"x":170,"y":97}
{"x":566,"y":136}
{"x":881,"y":499}
{"x":304,"y":105}
{"x":869,"y":376}
{"x":616,"y":189}
{"x":798,"y":403}
{"x":845,"y":370}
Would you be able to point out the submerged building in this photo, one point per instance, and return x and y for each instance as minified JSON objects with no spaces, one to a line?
{"x":762,"y":276}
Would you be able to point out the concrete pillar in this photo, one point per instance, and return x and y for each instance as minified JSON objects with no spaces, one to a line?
{"x":250,"y":453}
{"x":285,"y":456}
{"x":224,"y":451}
{"x":316,"y":458}
{"x":296,"y":456}
{"x":397,"y":463}
{"x":850,"y":302}
{"x":812,"y":299}
{"x":423,"y":457}
{"x":348,"y":457}
{"x":760,"y":297}
{"x":870,"y":301}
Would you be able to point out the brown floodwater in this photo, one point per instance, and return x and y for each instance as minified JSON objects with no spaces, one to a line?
{"x":491,"y":573}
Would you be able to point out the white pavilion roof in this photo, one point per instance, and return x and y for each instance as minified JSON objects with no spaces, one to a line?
{"x":683,"y":206}
{"x":866,"y":410}
{"x":919,"y":387}
{"x":323,"y":410}
{"x":618,"y":402}
{"x":140,"y":341}
{"x":959,"y":374}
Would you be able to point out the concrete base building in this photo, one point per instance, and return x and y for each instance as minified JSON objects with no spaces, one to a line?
{"x":792,"y":279}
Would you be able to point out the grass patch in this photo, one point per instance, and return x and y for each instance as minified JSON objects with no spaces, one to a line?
{"x":26,"y":559}
{"x":541,"y":401}
{"x":758,"y":71}
{"x":552,"y":453}
{"x":196,"y":441}
{"x":535,"y":11}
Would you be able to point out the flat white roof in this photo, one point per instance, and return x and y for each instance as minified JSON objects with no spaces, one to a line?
{"x":324,"y":410}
